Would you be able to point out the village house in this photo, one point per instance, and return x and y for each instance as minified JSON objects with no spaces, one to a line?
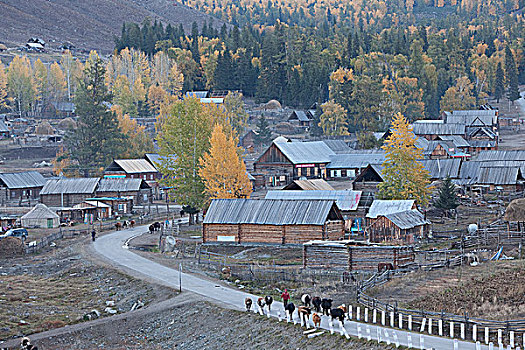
{"x":272,"y":221}
{"x":119,"y":205}
{"x":247,"y":141}
{"x":403,"y":227}
{"x":4,"y":130}
{"x":283,"y":162}
{"x":348,"y":166}
{"x":90,"y":210}
{"x":137,"y":190}
{"x":355,"y":256}
{"x":473,"y":119}
{"x":368,"y":179}
{"x":134,"y":169}
{"x":431,"y":130}
{"x":68,"y":192}
{"x":300,"y":118}
{"x":21,"y":188}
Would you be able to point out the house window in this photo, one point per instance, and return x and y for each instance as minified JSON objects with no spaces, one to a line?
{"x":308,"y":171}
{"x":145,"y":177}
{"x":298,"y":172}
{"x":151,"y":177}
{"x":121,"y":207}
{"x":145,"y":197}
{"x":13,"y":194}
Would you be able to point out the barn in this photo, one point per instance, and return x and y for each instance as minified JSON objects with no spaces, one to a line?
{"x":272,"y":221}
{"x":355,"y":256}
{"x":398,"y":228}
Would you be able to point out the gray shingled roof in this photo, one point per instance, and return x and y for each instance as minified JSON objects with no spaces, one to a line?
{"x":116,"y":185}
{"x":382,"y":207}
{"x":472,"y":120}
{"x":345,"y":200}
{"x":408,"y":219}
{"x":70,"y":186}
{"x":498,"y":175}
{"x":488,"y":156}
{"x":40,"y":211}
{"x":438,"y":129}
{"x":268,"y":212}
{"x":305,"y":152}
{"x":441,"y":168}
{"x":355,"y":161}
{"x":25,"y":179}
{"x":458,"y":140}
{"x":338,"y":146}
{"x":299,"y":115}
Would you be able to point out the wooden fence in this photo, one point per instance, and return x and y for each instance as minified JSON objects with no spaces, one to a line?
{"x":474,"y":329}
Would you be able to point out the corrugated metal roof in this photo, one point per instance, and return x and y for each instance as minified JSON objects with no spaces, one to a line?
{"x":135,"y":166}
{"x":25,"y":179}
{"x":381,"y":207}
{"x":438,"y":129}
{"x":441,"y":168}
{"x":355,"y":161}
{"x":473,"y":119}
{"x":345,"y":200}
{"x":197,"y":94}
{"x":338,"y":146}
{"x":305,"y":152}
{"x":40,"y":211}
{"x":489,"y":156}
{"x":116,"y":185}
{"x":70,"y":186}
{"x":483,"y":143}
{"x":311,"y":185}
{"x":299,"y":115}
{"x":472,"y":131}
{"x":498,"y":175}
{"x":268,"y":212}
{"x":408,"y":219}
{"x":484,"y":112}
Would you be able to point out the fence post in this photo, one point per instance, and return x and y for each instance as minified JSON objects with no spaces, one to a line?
{"x":400,"y":321}
{"x":511,"y":335}
{"x":409,"y":322}
{"x":366,"y":314}
{"x":452,"y":329}
{"x":383,"y":317}
{"x":440,"y":328}
{"x":392,"y":315}
{"x":358,"y":313}
{"x":374,"y":316}
{"x":487,"y":335}
{"x":500,"y":336}
{"x":429,"y":326}
{"x":474,"y":332}
{"x":462,"y":330}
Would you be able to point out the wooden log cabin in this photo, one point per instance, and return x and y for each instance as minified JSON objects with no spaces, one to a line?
{"x":68,"y":192}
{"x":272,"y":221}
{"x":398,"y":228}
{"x":284,"y":162}
{"x":355,"y":256}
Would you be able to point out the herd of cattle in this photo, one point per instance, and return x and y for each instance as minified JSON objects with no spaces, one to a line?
{"x":305,"y":310}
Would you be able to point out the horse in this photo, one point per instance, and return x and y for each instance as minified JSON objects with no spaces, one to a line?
{"x":248,"y":304}
{"x":326,"y":304}
{"x":156,"y":225}
{"x":125,"y":224}
{"x":132,"y":223}
{"x":316,"y":302}
{"x":118,"y":226}
{"x":306,"y":299}
{"x":151,"y":228}
{"x":261,"y":303}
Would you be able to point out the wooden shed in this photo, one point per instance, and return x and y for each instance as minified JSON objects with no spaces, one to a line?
{"x":355,"y":256}
{"x":272,"y":221}
{"x":398,"y":228}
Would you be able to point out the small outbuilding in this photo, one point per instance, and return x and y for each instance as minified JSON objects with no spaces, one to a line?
{"x":398,"y":228}
{"x":40,"y":217}
{"x":309,"y":185}
{"x":272,"y":221}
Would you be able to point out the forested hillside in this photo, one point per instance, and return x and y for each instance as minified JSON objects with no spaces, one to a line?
{"x":373,"y":58}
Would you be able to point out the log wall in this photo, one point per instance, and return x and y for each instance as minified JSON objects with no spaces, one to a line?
{"x":355,"y":258}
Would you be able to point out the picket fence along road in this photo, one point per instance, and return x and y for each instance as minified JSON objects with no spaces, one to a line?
{"x":113,"y":248}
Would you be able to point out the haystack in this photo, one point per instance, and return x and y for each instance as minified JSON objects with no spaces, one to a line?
{"x":44,"y":128}
{"x":67,"y":124}
{"x":273,"y":104}
{"x":11,"y":246}
{"x":515,"y":212}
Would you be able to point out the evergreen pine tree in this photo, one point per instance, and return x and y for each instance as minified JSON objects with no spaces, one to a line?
{"x":97,"y":139}
{"x":499,"y":88}
{"x":263,"y":133}
{"x":195,"y":43}
{"x":512,"y":75}
{"x":448,"y":199}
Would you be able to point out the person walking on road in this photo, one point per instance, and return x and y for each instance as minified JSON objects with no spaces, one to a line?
{"x":286,"y":297}
{"x":93,"y":234}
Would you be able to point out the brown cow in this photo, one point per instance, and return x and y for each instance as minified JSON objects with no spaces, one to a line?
{"x":304,"y":313}
{"x":118,"y":226}
{"x":248,"y":304}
